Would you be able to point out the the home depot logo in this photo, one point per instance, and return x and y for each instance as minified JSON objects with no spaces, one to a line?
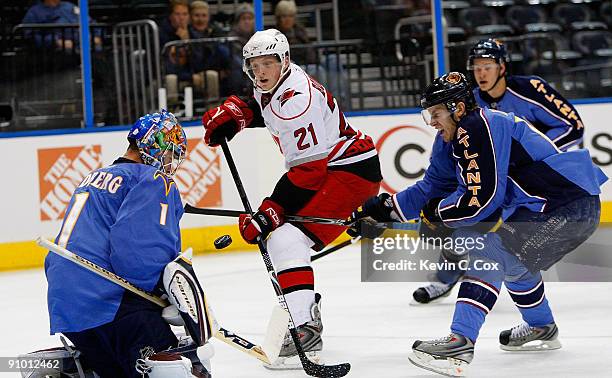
{"x":60,"y":170}
{"x":199,"y":177}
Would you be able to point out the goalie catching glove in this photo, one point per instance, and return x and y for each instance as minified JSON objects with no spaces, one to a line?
{"x":258,"y":226}
{"x":226,"y":120}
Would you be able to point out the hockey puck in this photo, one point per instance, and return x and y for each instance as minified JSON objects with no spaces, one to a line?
{"x":223,"y":241}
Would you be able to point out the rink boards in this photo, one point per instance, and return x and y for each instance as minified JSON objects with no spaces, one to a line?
{"x":44,"y":170}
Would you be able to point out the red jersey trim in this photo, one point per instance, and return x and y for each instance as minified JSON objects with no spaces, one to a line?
{"x":305,"y":110}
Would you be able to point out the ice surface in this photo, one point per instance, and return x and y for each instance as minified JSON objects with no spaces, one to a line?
{"x":370,"y":325}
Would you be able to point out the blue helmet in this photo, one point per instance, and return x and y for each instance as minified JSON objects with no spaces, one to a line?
{"x":487,"y":48}
{"x":161,"y":141}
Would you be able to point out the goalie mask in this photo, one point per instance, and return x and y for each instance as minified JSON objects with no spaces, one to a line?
{"x":267,"y":42}
{"x":161,"y":141}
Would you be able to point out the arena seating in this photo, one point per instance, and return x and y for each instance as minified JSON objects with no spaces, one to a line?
{"x":562,"y":40}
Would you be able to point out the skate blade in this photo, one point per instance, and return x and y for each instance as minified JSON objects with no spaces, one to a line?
{"x":533,"y":346}
{"x":451,"y":367}
{"x":293,"y":362}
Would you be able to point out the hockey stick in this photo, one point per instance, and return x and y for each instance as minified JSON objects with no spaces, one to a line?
{"x":291,"y":218}
{"x":409,"y":226}
{"x":327,"y":251}
{"x":310,"y":367}
{"x":236,"y":213}
{"x":223,"y":334}
{"x":333,"y":249}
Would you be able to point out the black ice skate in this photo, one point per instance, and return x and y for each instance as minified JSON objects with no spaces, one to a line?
{"x":526,"y":338}
{"x":432,"y":293}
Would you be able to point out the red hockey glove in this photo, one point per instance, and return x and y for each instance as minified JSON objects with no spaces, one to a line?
{"x":225,"y":121}
{"x":269,"y":217}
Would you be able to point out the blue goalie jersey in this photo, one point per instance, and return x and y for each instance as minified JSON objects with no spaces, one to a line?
{"x":125,"y":218}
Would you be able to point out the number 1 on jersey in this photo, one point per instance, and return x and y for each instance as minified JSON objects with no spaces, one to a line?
{"x":79,"y":202}
{"x":163,"y":214}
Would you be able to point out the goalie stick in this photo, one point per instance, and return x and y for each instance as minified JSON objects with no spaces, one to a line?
{"x":276,"y":327}
{"x":310,"y":367}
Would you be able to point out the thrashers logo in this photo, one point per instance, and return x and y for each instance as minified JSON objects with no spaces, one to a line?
{"x":454,"y":78}
{"x":287,"y":95}
{"x":60,"y":171}
{"x":199,"y":177}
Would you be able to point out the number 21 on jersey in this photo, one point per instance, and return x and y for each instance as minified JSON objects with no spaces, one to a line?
{"x":301,"y":134}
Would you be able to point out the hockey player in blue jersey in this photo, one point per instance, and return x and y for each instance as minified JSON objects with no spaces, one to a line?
{"x":528,"y":97}
{"x":125,"y":218}
{"x":488,"y":164}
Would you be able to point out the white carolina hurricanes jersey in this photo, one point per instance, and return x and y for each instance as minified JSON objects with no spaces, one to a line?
{"x":307,"y":124}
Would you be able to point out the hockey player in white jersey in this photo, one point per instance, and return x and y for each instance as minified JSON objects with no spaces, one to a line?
{"x":331,"y":169}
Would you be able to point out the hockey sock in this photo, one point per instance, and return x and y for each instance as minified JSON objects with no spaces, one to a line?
{"x":289,"y":250}
{"x":529,"y":297}
{"x":298,"y":288}
{"x":451,"y":272}
{"x":479,"y":287}
{"x":475,"y":300}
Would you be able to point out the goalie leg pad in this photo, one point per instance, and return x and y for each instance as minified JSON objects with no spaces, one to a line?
{"x":184,"y":291}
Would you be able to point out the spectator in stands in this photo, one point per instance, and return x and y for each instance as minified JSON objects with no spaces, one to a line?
{"x":175,"y":27}
{"x":285,"y":13}
{"x":57,"y":12}
{"x":327,"y":70}
{"x":208,"y":60}
{"x":201,"y":27}
{"x":244,"y":23}
{"x":244,"y":28}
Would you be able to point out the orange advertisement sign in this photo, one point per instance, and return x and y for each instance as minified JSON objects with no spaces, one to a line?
{"x":199,"y":177}
{"x":60,"y":171}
